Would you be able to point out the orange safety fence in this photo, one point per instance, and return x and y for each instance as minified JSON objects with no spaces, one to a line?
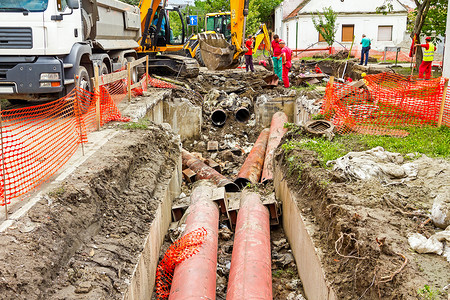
{"x":179,"y":251}
{"x":37,"y":141}
{"x":386,"y":102}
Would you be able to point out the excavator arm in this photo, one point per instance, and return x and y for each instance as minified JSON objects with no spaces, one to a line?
{"x":217,"y":53}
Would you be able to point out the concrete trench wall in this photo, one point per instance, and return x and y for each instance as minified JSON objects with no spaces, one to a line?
{"x":264,"y":111}
{"x":298,"y":232}
{"x":143,"y":278}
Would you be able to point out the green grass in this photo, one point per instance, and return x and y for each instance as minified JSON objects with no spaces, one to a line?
{"x":142,"y":124}
{"x":431,"y":141}
{"x":327,"y":150}
{"x":428,"y":293}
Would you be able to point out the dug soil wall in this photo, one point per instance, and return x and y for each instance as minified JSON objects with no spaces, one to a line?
{"x":360,"y":228}
{"x":84,"y":240}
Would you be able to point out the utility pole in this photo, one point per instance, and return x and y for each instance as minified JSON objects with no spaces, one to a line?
{"x":446,"y":66}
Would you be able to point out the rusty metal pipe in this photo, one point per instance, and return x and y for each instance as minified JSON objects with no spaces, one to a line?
{"x":219,"y":117}
{"x":242,"y":114}
{"x":195,"y":278}
{"x":277,"y":131}
{"x":251,"y":169}
{"x":251,"y":273}
{"x":206,"y":172}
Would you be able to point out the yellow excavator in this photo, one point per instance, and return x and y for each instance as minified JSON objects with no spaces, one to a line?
{"x":219,"y":54}
{"x":223,"y":52}
{"x":161,"y":34}
{"x":216,"y":53}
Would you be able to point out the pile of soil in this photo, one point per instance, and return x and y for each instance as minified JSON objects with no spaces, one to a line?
{"x":83,"y":240}
{"x":361,"y":227}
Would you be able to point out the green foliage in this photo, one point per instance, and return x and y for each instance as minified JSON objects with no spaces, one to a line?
{"x":386,"y":8}
{"x":325,"y":24}
{"x":435,"y":21}
{"x":132,"y":2}
{"x":427,"y":293}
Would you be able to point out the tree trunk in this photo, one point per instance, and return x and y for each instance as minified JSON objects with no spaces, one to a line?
{"x":422,"y":11}
{"x":419,"y":58}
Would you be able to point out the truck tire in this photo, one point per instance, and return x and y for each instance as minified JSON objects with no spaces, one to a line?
{"x":85,"y":84}
{"x":134,"y":72}
{"x":198,"y":57}
{"x":103,"y":69}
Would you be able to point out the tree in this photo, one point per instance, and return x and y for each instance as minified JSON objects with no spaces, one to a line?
{"x":428,"y":17}
{"x":325,"y":24}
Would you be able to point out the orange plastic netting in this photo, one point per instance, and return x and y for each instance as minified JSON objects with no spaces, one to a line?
{"x":387,"y":102}
{"x":180,"y":250}
{"x":38,"y":140}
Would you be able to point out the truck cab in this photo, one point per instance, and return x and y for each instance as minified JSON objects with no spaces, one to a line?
{"x":46,"y":44}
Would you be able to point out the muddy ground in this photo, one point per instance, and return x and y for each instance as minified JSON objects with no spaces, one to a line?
{"x":362,"y":227}
{"x":83,"y":240}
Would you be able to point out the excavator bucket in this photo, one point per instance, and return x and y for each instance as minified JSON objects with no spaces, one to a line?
{"x":217,"y":53}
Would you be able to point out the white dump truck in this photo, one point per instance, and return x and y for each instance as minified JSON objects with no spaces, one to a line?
{"x":45,"y":44}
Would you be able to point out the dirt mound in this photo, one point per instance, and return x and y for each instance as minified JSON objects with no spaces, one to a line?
{"x":362,"y":227}
{"x":82,"y":241}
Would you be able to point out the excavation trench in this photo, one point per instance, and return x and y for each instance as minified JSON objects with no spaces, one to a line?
{"x":102,"y":233}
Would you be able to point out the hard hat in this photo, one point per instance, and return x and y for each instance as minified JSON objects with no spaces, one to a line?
{"x":363,"y":75}
{"x":427,"y":38}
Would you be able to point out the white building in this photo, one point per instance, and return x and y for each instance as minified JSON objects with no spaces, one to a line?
{"x":355,"y":17}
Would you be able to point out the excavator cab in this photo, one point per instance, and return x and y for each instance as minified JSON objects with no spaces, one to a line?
{"x":219,"y":23}
{"x":162,"y":31}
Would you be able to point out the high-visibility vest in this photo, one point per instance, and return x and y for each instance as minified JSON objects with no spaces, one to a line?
{"x":428,"y":55}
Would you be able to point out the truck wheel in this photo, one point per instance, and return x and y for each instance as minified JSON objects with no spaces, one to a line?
{"x":103,"y":69}
{"x":198,"y":57}
{"x":134,"y":72}
{"x":85,"y":84}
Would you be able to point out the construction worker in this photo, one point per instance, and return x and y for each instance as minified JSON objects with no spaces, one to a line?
{"x":276,"y":58}
{"x":249,"y":54}
{"x":365,"y":44}
{"x":286,"y":55}
{"x":428,"y":56}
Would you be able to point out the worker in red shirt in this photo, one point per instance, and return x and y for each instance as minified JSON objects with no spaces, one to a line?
{"x":317,"y":69}
{"x":347,"y":78}
{"x":249,"y":54}
{"x":286,"y":55}
{"x":428,"y":56}
{"x":276,"y":58}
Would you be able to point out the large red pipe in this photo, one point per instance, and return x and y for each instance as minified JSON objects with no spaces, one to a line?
{"x":251,"y":169}
{"x":251,"y":273}
{"x":206,"y":172}
{"x":277,"y":131}
{"x":195,"y":278}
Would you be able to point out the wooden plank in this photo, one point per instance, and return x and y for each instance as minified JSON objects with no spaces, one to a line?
{"x":97,"y":96}
{"x":444,"y":96}
{"x":129,"y":81}
{"x":138,"y":62}
{"x":137,"y":84}
{"x":108,"y":78}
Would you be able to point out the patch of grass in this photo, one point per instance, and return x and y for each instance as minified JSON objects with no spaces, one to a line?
{"x":431,"y":141}
{"x":327,"y":150}
{"x":142,"y":124}
{"x":428,"y":293}
{"x":57,"y":192}
{"x":277,"y":273}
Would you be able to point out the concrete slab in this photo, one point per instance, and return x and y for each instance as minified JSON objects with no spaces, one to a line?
{"x":297,"y":231}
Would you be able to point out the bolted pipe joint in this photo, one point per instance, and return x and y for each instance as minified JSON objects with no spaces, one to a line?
{"x":242,"y":114}
{"x":218,"y":117}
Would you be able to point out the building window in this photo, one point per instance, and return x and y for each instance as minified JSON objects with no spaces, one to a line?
{"x":348,"y":33}
{"x":321,"y":38}
{"x":385,"y":33}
